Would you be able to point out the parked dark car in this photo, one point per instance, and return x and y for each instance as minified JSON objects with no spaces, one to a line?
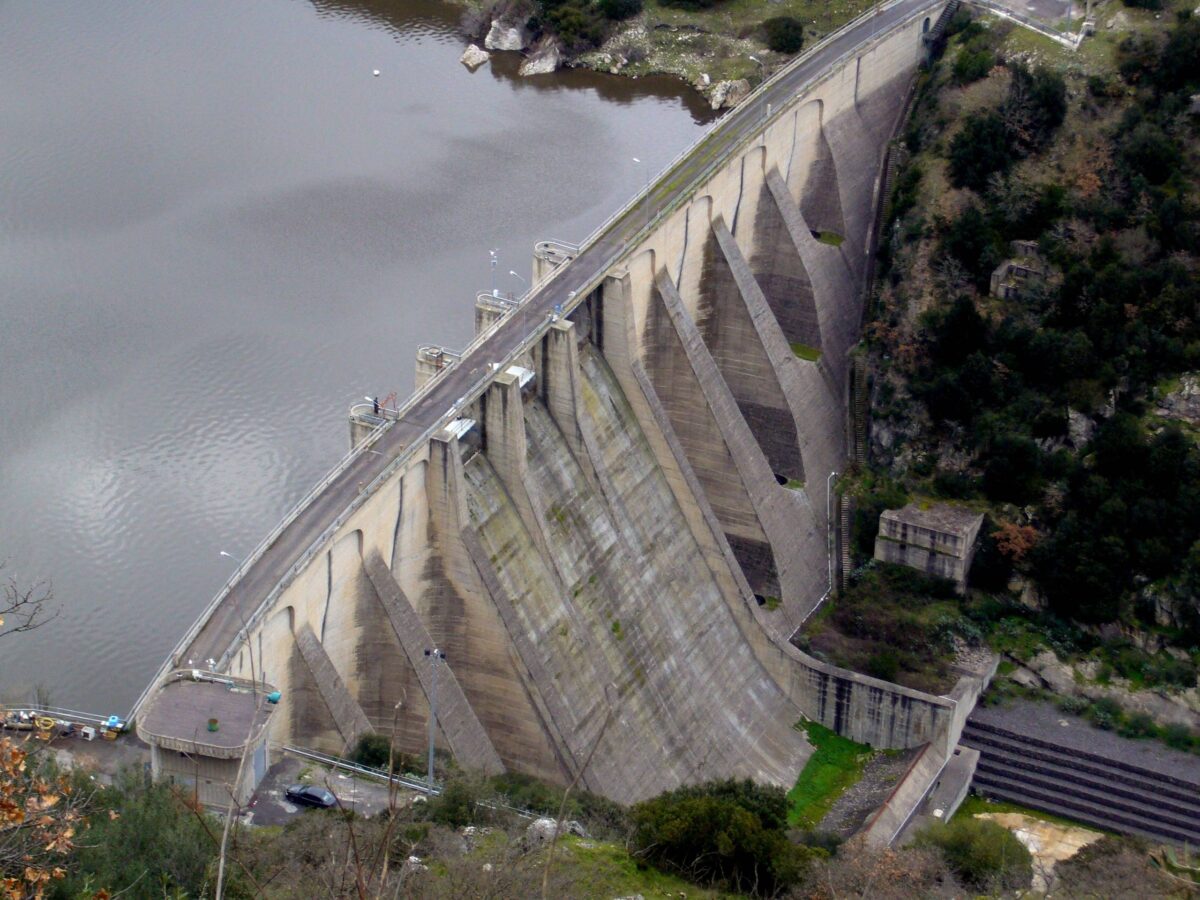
{"x":310,"y":795}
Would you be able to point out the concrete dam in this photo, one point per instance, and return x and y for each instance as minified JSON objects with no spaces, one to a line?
{"x":611,"y":511}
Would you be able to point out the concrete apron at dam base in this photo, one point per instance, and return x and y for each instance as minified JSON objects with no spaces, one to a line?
{"x":582,"y":509}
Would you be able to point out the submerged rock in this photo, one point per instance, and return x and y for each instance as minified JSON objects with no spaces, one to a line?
{"x":473,"y":57}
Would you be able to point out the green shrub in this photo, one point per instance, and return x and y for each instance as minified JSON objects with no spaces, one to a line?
{"x":978,"y":150}
{"x":884,"y":664}
{"x":372,"y":750}
{"x":1139,"y":725}
{"x":1037,"y":98}
{"x":785,"y":34}
{"x":578,"y":25}
{"x":1105,"y":713}
{"x":1149,"y":152}
{"x":729,"y":834}
{"x":1073,"y":705}
{"x":616,"y":10}
{"x":1179,"y":736}
{"x":690,"y":4}
{"x":981,"y":853}
{"x":971,"y":65}
{"x":138,"y":829}
{"x":455,"y":806}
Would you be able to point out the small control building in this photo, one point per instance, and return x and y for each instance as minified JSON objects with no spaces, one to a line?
{"x":199,"y":725}
{"x":937,"y":538}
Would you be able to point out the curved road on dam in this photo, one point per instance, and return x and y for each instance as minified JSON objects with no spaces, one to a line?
{"x":262,"y":575}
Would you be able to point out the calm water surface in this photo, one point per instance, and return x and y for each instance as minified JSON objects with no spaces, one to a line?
{"x":217,"y":230}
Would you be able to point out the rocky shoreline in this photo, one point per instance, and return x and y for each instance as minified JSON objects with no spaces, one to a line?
{"x":546,"y":56}
{"x":720,"y":52}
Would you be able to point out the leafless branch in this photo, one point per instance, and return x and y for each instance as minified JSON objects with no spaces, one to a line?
{"x":25,"y":608}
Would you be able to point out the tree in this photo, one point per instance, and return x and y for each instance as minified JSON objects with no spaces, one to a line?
{"x":785,"y":34}
{"x":978,"y":150}
{"x":40,"y":811}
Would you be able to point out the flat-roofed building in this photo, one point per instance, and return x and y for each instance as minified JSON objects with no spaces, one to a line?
{"x":199,"y":725}
{"x":937,"y":538}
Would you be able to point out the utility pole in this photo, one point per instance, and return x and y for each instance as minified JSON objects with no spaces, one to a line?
{"x":434,"y":655}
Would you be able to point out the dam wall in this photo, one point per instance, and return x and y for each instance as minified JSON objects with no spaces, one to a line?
{"x":613,"y":526}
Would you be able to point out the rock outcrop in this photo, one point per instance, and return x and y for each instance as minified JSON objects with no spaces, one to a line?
{"x":546,"y":58}
{"x":505,"y":35}
{"x":473,"y":57}
{"x":727,"y":94}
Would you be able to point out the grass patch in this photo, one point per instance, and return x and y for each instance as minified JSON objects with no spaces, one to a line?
{"x":609,"y":871}
{"x":974,"y":804}
{"x":832,"y":238}
{"x":794,"y":484}
{"x":803,"y":351}
{"x":837,"y":763}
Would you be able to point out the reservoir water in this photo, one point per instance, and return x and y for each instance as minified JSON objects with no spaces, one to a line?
{"x":218,"y":229}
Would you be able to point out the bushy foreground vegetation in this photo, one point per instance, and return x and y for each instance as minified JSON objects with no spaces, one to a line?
{"x":720,"y":839}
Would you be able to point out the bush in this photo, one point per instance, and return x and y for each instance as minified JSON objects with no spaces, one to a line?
{"x":978,"y":150}
{"x":729,"y":834}
{"x":884,"y":664}
{"x":616,"y":10}
{"x":578,"y":25}
{"x":971,"y":65}
{"x":1179,"y":736}
{"x":1036,"y":105}
{"x":1149,"y":152}
{"x":372,"y":750}
{"x":455,"y":806}
{"x":981,"y":853}
{"x":690,"y":4}
{"x":1139,"y":725}
{"x":785,"y":34}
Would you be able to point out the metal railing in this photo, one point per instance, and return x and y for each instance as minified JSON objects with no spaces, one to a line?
{"x":1068,"y":40}
{"x":66,"y":715}
{"x":407,"y":781}
{"x":539,"y":328}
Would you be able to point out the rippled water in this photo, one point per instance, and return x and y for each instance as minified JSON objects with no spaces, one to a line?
{"x":217,"y":230}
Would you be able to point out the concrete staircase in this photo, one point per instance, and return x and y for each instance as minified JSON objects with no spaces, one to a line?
{"x":860,"y":402}
{"x":1082,"y":786}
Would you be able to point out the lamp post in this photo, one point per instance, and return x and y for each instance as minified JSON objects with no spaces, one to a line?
{"x":646,"y":169}
{"x":495,"y":259}
{"x":434,"y":656}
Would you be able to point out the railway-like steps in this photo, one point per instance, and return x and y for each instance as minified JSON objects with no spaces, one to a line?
{"x":1086,"y":787}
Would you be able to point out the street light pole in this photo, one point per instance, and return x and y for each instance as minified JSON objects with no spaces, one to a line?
{"x":495,"y":259}
{"x":434,"y":655}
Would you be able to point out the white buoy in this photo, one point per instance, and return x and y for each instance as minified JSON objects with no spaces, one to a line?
{"x":376,"y":73}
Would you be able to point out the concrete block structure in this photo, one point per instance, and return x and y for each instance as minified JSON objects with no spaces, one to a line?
{"x":1017,"y":275}
{"x":581,"y":508}
{"x":208,"y":734}
{"x":937,"y":538}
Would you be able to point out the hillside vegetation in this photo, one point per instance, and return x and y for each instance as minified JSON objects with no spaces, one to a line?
{"x":1060,"y":404}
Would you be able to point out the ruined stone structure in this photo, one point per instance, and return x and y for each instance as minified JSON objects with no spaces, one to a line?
{"x":586,"y":508}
